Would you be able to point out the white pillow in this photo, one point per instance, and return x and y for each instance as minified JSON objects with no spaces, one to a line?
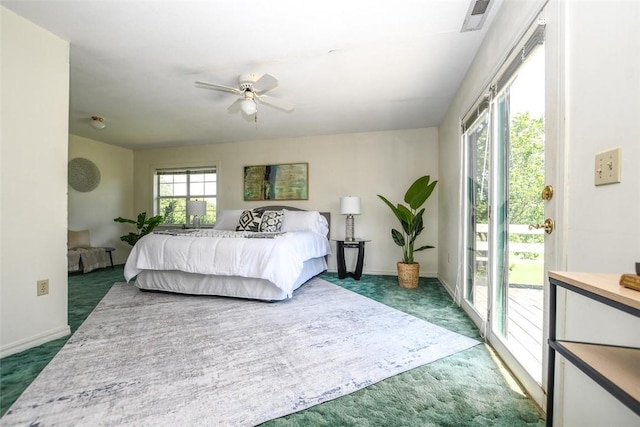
{"x":304,"y":221}
{"x":227,"y":219}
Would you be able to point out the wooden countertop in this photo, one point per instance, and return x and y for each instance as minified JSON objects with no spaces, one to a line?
{"x":605,"y":285}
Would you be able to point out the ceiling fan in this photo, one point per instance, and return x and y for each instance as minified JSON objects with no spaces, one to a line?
{"x":251,"y":89}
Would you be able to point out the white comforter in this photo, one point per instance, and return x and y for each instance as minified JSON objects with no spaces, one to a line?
{"x":278,"y":259}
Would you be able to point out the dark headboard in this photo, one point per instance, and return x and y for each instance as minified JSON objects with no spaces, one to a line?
{"x":327,"y":215}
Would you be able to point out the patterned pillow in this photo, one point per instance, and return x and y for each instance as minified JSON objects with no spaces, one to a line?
{"x":249,"y":221}
{"x":271,"y":221}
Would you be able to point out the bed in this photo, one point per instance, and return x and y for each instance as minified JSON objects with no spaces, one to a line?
{"x":264,"y":253}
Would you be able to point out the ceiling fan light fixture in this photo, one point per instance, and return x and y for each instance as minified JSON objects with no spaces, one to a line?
{"x":248,"y":107}
{"x":98,"y":122}
{"x":251,"y":89}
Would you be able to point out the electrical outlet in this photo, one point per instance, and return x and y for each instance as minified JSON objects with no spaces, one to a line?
{"x":43,"y":287}
{"x":607,"y":170}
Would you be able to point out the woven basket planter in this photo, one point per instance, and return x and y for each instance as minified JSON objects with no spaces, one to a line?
{"x":408,"y":275}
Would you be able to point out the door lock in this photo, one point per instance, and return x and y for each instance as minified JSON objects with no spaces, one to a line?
{"x":547,"y":225}
{"x":547,"y":192}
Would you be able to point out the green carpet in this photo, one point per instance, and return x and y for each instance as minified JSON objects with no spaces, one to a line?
{"x":466,"y":389}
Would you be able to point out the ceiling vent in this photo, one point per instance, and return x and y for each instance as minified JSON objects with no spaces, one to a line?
{"x":477,"y":13}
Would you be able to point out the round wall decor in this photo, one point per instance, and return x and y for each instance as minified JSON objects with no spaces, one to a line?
{"x":84,"y":175}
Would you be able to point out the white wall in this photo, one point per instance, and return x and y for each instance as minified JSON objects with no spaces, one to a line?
{"x":34,"y":87}
{"x":595,"y":43}
{"x":603,"y":223}
{"x":95,"y":210}
{"x":361,"y":164}
{"x":603,"y":91}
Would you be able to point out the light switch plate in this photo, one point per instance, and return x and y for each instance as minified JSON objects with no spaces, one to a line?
{"x":608,"y":167}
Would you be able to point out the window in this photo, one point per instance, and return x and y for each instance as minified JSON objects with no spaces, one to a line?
{"x":173,"y":187}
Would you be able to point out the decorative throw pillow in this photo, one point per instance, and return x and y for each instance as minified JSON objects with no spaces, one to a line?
{"x":249,"y":221}
{"x":271,"y":221}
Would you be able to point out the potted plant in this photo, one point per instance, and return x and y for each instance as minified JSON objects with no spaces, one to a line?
{"x":143,"y":225}
{"x":411,"y":220}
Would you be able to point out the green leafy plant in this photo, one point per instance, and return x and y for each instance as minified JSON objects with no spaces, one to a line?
{"x":143,"y":225}
{"x":411,"y":216}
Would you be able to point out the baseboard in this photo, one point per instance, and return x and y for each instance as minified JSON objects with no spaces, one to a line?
{"x":34,"y":341}
{"x":449,"y":288}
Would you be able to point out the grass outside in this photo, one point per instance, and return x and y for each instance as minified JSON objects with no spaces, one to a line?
{"x":526,"y":274}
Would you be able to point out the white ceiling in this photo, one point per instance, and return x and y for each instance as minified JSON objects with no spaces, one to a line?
{"x":348,"y":65}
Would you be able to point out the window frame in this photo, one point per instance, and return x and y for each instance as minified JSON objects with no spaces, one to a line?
{"x":188,"y":171}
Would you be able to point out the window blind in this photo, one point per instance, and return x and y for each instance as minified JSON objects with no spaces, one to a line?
{"x":185,"y":171}
{"x":535,"y":40}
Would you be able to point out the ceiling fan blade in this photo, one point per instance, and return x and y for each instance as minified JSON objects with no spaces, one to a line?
{"x":278,"y":103}
{"x":235,"y":107}
{"x":218,"y":87}
{"x":265,"y":83}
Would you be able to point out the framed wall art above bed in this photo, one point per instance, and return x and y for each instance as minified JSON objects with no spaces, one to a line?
{"x":289,"y":181}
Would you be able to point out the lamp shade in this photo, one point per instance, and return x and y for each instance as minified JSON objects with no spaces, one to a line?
{"x":350,"y":205}
{"x":248,"y":106}
{"x":196,"y":207}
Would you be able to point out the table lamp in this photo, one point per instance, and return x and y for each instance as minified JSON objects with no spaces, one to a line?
{"x":197,"y":208}
{"x":350,"y":206}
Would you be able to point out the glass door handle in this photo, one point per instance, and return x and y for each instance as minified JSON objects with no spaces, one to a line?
{"x":548,"y":226}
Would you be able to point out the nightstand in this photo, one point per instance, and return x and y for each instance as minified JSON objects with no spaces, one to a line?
{"x":356,"y":244}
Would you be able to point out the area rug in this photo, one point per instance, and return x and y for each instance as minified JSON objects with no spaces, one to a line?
{"x":144,"y":358}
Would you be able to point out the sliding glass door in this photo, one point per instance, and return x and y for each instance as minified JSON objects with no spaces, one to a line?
{"x":504,"y":229}
{"x":518,"y":250}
